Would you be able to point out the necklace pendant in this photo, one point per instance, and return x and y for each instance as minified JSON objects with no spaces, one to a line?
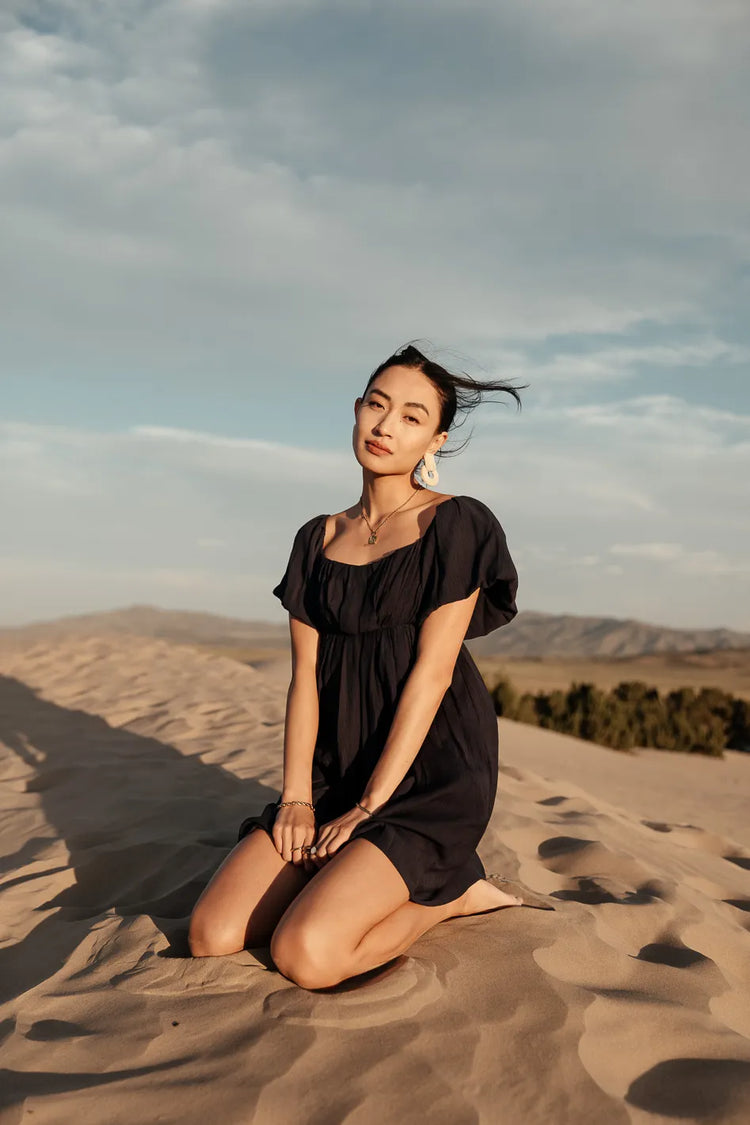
{"x":373,"y":537}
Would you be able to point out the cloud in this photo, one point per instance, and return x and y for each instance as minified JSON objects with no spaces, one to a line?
{"x":614,"y":364}
{"x":264,"y":460}
{"x":662,"y":479}
{"x":245,"y":185}
{"x":698,"y":563}
{"x":88,"y":499}
{"x":659,"y":551}
{"x":644,"y":460}
{"x":665,"y":411}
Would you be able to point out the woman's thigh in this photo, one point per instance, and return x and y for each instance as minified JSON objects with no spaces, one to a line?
{"x":246,"y":897}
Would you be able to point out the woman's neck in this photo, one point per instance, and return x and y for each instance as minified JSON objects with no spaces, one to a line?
{"x":382,"y":495}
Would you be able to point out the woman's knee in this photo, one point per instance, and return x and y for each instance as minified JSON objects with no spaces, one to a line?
{"x":301,"y":954}
{"x":210,"y":936}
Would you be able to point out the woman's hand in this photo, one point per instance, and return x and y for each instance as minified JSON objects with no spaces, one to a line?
{"x":335,"y":833}
{"x":293,"y":829}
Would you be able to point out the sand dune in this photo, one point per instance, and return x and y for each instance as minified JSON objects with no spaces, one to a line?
{"x":127,"y":764}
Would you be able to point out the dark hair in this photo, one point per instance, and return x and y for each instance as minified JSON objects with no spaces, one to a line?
{"x":456,"y":393}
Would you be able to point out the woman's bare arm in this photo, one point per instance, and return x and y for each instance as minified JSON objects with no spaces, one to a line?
{"x":302,"y":713}
{"x":440,"y":639}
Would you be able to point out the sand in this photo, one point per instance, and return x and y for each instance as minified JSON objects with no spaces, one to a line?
{"x":126,"y":767}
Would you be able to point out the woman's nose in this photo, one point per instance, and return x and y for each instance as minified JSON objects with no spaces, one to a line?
{"x":382,"y":425}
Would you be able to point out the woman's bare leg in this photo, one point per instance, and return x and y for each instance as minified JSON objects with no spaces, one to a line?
{"x":334,"y":929}
{"x":394,"y":934}
{"x":245,"y":899}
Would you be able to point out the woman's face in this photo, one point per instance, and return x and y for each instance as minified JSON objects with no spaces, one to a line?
{"x":400,"y":412}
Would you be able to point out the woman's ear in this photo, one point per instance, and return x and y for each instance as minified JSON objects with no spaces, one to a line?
{"x":438,"y":441}
{"x":357,"y":404}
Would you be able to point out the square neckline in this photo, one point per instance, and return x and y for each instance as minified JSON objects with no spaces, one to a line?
{"x":372,"y":562}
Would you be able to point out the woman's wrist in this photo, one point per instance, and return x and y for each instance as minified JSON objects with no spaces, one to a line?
{"x":369,"y":805}
{"x":296,"y":795}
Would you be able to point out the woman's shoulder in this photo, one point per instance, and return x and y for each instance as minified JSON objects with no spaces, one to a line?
{"x":312,"y":522}
{"x":470,"y":507}
{"x":306,"y":531}
{"x":467,"y":520}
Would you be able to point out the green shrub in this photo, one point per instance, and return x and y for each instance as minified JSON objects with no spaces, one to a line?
{"x":739,"y":726}
{"x":505,"y":699}
{"x":634,"y":714}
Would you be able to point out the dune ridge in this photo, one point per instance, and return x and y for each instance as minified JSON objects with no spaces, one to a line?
{"x":127,"y":764}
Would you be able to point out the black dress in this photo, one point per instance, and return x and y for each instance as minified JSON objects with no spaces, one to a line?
{"x":368,"y":617}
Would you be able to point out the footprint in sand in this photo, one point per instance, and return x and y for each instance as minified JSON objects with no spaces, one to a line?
{"x":739,"y":860}
{"x":672,"y":953}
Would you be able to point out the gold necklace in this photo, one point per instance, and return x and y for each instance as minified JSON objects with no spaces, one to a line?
{"x":374,"y":530}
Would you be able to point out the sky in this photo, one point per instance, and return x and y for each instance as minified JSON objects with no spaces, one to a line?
{"x":217,"y":217}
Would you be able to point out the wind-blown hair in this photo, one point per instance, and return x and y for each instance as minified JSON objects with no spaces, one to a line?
{"x":458,"y":394}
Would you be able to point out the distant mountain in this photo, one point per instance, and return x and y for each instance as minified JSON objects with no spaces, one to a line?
{"x":544,"y":634}
{"x":168,"y":624}
{"x":529,"y":635}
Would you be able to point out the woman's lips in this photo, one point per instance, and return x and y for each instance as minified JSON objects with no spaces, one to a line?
{"x":376,"y":448}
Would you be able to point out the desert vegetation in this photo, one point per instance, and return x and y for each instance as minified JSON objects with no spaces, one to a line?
{"x":631,"y":714}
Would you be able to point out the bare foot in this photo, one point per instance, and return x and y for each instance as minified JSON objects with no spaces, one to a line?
{"x":482,"y":896}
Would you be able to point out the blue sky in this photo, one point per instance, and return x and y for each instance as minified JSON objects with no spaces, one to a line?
{"x":218,"y":217}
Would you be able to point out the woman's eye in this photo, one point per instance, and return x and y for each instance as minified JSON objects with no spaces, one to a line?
{"x":379,"y":406}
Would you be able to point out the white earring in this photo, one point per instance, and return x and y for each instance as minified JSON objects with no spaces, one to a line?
{"x":428,"y":472}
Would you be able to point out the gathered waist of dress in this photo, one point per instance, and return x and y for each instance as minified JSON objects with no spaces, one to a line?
{"x":399,"y":626}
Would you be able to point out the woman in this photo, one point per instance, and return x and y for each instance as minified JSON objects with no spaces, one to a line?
{"x":390,"y":742}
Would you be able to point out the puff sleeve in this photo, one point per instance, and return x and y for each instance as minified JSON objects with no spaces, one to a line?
{"x":294,"y":589}
{"x":470,"y":551}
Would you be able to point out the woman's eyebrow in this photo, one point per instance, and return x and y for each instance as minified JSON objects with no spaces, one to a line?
{"x":377,"y":391}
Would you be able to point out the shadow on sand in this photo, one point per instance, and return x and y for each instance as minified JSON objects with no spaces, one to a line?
{"x":145,"y":826}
